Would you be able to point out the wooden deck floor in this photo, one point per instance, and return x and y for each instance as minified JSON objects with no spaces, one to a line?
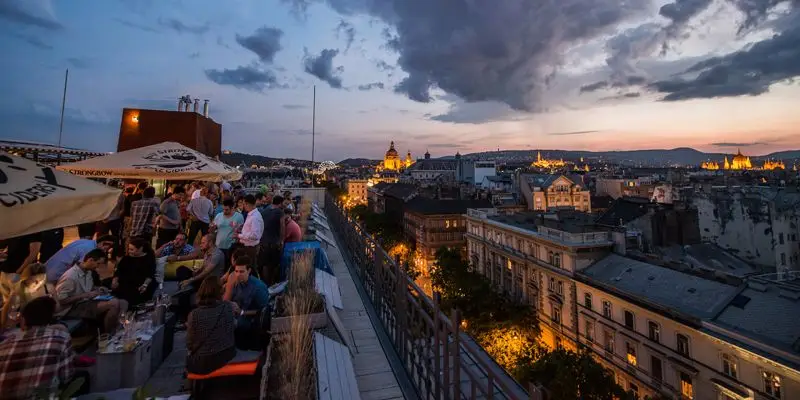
{"x":374,"y":375}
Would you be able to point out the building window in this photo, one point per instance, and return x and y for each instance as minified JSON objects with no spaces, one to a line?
{"x":630,"y":350}
{"x":555,"y":313}
{"x":588,"y":330}
{"x":783,"y":258}
{"x":558,"y":342}
{"x":654,"y":331}
{"x":683,"y":345}
{"x":729,"y":365}
{"x":687,"y":390}
{"x":587,"y":300}
{"x":551,"y":285}
{"x":608,"y":341}
{"x":557,"y":260}
{"x":630,"y":320}
{"x":634,"y":390}
{"x":560,"y":288}
{"x":655,"y":368}
{"x":772,"y":384}
{"x":607,"y":309}
{"x":780,"y":238}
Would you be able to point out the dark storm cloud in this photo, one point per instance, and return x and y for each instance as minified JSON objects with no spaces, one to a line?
{"x":594,"y":86}
{"x":265,"y":42}
{"x":738,"y":144}
{"x":180,"y":27}
{"x":322,"y":67}
{"x":623,"y":83}
{"x":486,"y":50}
{"x":21,"y":12}
{"x":347,"y":30}
{"x":370,"y":86}
{"x":681,"y":11}
{"x":746,"y":72}
{"x":245,"y":77}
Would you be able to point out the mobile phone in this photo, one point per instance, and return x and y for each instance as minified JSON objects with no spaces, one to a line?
{"x":103,"y":297}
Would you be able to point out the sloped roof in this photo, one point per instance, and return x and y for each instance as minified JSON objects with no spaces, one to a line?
{"x":427,"y":206}
{"x":625,"y":210}
{"x":400,"y":190}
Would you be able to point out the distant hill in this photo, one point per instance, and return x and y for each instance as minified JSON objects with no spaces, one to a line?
{"x":681,"y":155}
{"x":236,"y":159}
{"x":357,"y":162}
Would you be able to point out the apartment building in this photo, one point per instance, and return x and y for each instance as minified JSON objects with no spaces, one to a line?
{"x":544,"y":192}
{"x":532,"y":258}
{"x":430,"y":224}
{"x":658,"y":329}
{"x":357,"y":190}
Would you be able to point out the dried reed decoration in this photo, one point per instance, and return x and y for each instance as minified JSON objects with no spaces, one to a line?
{"x":295,"y":348}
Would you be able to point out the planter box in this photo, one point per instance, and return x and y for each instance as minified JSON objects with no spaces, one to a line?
{"x":284,"y":324}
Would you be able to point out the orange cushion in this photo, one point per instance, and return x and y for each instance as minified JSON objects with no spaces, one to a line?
{"x":233,"y":369}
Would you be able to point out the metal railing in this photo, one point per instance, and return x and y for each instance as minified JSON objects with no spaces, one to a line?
{"x":441,"y":360}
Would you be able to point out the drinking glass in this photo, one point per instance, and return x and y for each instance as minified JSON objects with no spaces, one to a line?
{"x":102,"y":342}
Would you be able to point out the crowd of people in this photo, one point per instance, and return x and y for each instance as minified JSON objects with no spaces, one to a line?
{"x":114,"y":266}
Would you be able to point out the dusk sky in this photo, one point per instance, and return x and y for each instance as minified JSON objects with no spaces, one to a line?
{"x":440,"y":75}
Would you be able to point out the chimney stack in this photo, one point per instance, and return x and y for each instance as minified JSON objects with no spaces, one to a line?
{"x":205,"y":108}
{"x":186,"y":104}
{"x":180,"y":103}
{"x":196,"y":105}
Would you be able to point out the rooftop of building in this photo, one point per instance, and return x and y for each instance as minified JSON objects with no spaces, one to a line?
{"x":433,"y":165}
{"x":668,"y":289}
{"x":399,"y":190}
{"x":624,"y":210}
{"x":710,"y":257}
{"x":564,"y":220}
{"x":545,"y":180}
{"x":427,"y":206}
{"x":763,"y":312}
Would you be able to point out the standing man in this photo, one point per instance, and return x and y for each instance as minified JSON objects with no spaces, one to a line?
{"x":271,"y":244}
{"x":225,"y":224}
{"x":143,"y":215}
{"x":169,"y":222}
{"x":252,"y":229}
{"x":200,"y":211}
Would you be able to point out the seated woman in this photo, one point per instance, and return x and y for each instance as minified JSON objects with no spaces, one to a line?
{"x":134,"y":277}
{"x":210,"y":330}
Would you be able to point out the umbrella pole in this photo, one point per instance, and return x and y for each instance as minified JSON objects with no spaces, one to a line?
{"x":61,"y":125}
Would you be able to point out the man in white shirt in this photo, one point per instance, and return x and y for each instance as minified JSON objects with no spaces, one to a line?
{"x":250,"y":235}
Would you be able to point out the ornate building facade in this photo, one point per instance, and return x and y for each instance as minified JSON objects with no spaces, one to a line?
{"x":545,"y":163}
{"x":393,"y":162}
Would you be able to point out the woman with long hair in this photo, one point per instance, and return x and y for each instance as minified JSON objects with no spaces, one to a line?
{"x":135,"y":275}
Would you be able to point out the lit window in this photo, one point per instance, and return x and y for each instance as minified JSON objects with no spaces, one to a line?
{"x":729,"y":365}
{"x":447,"y":224}
{"x":587,"y":300}
{"x":630,"y":349}
{"x":630,"y":320}
{"x":772,"y":384}
{"x":683,"y":345}
{"x":687,"y":389}
{"x":607,"y":309}
{"x":654,"y":331}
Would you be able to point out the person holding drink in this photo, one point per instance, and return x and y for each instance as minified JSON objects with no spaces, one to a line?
{"x":225,"y":224}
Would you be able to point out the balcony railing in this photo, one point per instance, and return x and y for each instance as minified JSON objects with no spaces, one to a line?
{"x":442,"y":361}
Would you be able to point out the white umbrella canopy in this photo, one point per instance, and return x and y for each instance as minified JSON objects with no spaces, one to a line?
{"x":35,"y":198}
{"x":167,"y":160}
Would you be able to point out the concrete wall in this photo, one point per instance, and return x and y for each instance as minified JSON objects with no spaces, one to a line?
{"x":316,"y":195}
{"x":139,"y":128}
{"x":749,"y":225}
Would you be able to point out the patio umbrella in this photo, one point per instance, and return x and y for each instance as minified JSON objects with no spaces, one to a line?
{"x":167,"y":160}
{"x":35,"y":198}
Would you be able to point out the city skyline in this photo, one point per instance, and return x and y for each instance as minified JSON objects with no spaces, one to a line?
{"x":608,"y":76}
